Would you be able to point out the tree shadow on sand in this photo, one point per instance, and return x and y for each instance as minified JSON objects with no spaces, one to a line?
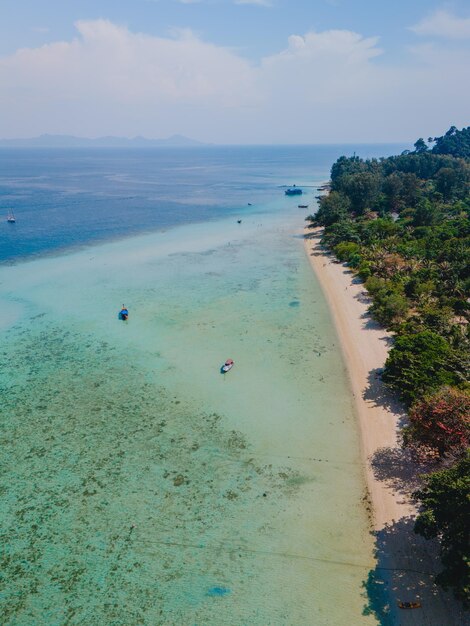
{"x":324,"y":252}
{"x":393,"y":465}
{"x":364,"y":298}
{"x":398,"y":470}
{"x":378,"y":394}
{"x":320,"y":249}
{"x":405,"y":571}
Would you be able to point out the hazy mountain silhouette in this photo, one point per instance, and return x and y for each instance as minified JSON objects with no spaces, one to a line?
{"x":69,"y":141}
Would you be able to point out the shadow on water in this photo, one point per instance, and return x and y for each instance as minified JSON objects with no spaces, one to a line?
{"x":405,"y":571}
{"x":386,"y":586}
{"x":378,"y":600}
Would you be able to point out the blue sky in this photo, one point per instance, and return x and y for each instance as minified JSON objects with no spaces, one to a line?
{"x":235,"y":71}
{"x":255,"y":29}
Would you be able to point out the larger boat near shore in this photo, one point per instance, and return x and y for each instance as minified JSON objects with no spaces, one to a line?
{"x":293,"y":191}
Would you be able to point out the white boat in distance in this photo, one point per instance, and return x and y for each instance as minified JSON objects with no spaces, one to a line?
{"x":11,"y":217}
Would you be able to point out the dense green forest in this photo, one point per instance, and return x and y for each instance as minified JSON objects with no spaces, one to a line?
{"x":402,"y":224}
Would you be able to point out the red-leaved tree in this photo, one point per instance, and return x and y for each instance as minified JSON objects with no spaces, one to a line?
{"x":440,"y":424}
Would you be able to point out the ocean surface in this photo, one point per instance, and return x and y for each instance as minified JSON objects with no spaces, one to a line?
{"x":139,"y":484}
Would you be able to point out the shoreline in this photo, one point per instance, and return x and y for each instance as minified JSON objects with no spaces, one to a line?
{"x":406,"y":562}
{"x":379,"y":414}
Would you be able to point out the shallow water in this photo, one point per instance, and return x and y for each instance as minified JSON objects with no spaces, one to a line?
{"x":141,"y":486}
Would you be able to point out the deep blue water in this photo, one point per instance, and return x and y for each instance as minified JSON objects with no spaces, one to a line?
{"x":67,"y":198}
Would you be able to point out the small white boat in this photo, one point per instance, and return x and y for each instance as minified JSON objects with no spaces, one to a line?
{"x":11,"y":217}
{"x":227,"y":366}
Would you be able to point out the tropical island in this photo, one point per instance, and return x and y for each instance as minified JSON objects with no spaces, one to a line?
{"x":399,"y":227}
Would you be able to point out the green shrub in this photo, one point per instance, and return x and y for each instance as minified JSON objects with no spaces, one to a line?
{"x":355,"y":260}
{"x":364,"y":270}
{"x":346,"y":249}
{"x":390,"y":308}
{"x":374,"y":284}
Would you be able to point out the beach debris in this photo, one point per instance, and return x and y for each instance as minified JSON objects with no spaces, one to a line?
{"x":409,"y":605}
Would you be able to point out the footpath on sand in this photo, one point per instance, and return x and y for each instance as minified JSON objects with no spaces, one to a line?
{"x":406,"y":563}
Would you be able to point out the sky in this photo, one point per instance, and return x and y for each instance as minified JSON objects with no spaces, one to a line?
{"x":235,"y":71}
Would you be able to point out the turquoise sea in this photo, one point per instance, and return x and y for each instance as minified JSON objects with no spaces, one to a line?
{"x":139,"y":484}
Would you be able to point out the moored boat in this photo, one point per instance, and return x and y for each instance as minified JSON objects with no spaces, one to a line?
{"x":293,"y":191}
{"x":123,"y":314}
{"x":227,"y":366}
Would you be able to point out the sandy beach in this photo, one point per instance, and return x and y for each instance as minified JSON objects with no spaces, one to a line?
{"x":406,"y":563}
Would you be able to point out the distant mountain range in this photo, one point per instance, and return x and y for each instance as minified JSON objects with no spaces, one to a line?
{"x":69,"y":141}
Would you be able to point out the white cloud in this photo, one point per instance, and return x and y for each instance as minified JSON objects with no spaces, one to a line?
{"x":261,"y":3}
{"x":330,"y":44}
{"x":326,"y":86}
{"x":109,"y":77}
{"x":443,"y":24}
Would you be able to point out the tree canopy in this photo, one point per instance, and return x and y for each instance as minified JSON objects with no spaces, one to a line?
{"x":440,"y":424}
{"x":419,"y":363}
{"x":454,"y":142}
